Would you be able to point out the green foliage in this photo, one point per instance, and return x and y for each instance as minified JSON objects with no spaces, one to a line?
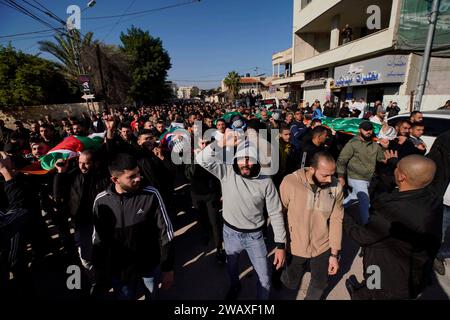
{"x":195,"y":92}
{"x":64,"y":48}
{"x":232,"y":81}
{"x":149,"y":63}
{"x":29,"y":80}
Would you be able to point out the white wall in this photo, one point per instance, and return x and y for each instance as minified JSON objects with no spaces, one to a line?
{"x":375,"y":42}
{"x":311,"y":12}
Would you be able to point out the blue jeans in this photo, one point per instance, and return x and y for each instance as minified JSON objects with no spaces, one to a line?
{"x":129,"y":290}
{"x":253,"y":242}
{"x":444,"y":251}
{"x":360,"y":192}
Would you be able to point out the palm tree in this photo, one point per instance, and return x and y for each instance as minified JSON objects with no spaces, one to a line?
{"x":64,"y":50}
{"x":233,"y":83}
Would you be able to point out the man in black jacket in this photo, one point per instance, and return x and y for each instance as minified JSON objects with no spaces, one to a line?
{"x":14,"y":222}
{"x":132,"y":233}
{"x":205,"y":194}
{"x":75,"y":192}
{"x":124,"y":141}
{"x":156,"y":166}
{"x":316,"y":144}
{"x":440,"y":154}
{"x":403,"y":234}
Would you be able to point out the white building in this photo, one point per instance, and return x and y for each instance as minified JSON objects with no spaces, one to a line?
{"x":285,"y":84}
{"x":253,"y":85}
{"x":184,"y":92}
{"x":377,"y":63}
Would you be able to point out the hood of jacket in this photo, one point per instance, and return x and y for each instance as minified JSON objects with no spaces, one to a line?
{"x":247,"y":149}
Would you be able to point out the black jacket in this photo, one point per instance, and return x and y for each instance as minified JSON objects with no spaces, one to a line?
{"x":405,"y":149}
{"x":309,"y":149}
{"x":75,"y":192}
{"x":440,"y":154}
{"x":402,"y":238}
{"x":118,"y":145}
{"x":158,"y":173}
{"x":133,"y":234}
{"x":13,"y":222}
{"x":202,"y":182}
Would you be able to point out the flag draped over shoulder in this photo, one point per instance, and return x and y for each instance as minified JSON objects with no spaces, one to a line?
{"x":175,"y":139}
{"x":348,"y":125}
{"x":228,"y":116}
{"x":70,"y":147}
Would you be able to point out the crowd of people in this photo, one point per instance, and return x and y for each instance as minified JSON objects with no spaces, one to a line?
{"x":118,"y":198}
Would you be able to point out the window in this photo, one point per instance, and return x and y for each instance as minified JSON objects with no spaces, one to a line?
{"x":435,"y":126}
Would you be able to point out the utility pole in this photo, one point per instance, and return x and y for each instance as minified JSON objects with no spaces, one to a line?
{"x":427,"y":55}
{"x":99,"y":61}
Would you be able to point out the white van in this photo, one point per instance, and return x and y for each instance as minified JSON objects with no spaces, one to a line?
{"x":436,"y":122}
{"x":270,"y":103}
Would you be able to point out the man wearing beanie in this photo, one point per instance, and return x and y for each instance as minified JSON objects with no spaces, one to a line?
{"x":357,"y":161}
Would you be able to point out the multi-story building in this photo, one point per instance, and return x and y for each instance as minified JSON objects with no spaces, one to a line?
{"x":184,"y":92}
{"x":284,"y":84}
{"x":252,"y":85}
{"x":381,"y":60}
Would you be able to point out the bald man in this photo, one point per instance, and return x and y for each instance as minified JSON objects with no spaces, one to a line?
{"x":402,"y":237}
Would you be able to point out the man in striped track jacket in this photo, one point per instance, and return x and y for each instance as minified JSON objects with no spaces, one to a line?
{"x":132,"y":236}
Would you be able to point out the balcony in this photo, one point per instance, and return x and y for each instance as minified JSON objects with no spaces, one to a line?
{"x":366,"y":46}
{"x":282,"y":57}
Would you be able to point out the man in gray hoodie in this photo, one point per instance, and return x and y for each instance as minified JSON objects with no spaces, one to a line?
{"x":245,"y":193}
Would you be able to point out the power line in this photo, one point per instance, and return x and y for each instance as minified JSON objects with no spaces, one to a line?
{"x":143,"y":11}
{"x":120,"y":18}
{"x":25,"y":11}
{"x":50,"y":12}
{"x":28,"y":38}
{"x":47,"y":12}
{"x":26,"y":33}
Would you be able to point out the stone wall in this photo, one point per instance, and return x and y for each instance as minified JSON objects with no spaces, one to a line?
{"x":56,"y":111}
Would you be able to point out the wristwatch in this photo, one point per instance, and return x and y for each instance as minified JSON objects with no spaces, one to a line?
{"x":337,"y":256}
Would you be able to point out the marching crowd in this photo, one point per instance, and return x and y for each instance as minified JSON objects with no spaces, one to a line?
{"x":118,"y":197}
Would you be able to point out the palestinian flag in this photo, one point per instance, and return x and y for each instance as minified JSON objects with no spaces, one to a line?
{"x":348,"y":125}
{"x":70,"y":148}
{"x":228,"y":116}
{"x":258,"y":115}
{"x":175,"y":139}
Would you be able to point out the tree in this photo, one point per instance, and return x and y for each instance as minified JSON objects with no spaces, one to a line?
{"x":233,"y":83}
{"x":115,"y":67}
{"x":149,"y":63}
{"x":64,"y":49}
{"x":195,"y":92}
{"x":29,"y":80}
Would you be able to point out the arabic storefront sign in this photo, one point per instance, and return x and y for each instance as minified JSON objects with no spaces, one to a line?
{"x":384,"y":69}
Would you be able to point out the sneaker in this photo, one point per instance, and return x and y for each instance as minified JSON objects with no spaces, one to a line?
{"x":439,"y":266}
{"x":221,"y":256}
{"x":233,"y":293}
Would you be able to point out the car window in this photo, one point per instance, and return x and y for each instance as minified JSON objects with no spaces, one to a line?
{"x":393,"y":122}
{"x":435,"y":126}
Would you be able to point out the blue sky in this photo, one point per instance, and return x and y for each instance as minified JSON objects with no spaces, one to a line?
{"x":205,"y":39}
